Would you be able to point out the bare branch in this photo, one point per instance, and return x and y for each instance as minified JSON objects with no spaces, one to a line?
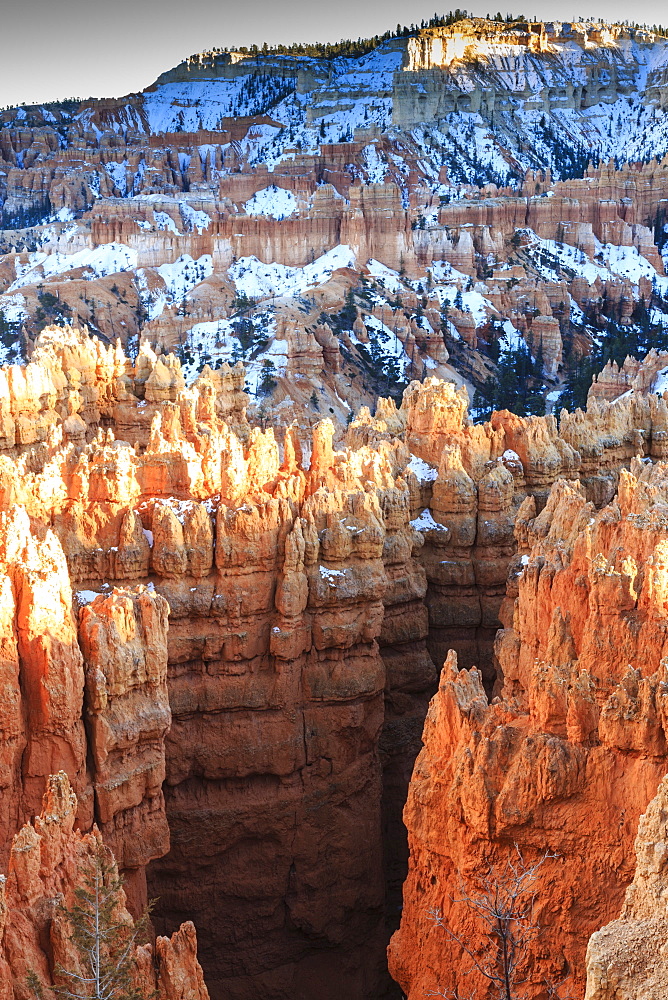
{"x":503,"y":900}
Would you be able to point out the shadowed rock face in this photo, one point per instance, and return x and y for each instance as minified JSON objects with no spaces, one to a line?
{"x":241,"y":644}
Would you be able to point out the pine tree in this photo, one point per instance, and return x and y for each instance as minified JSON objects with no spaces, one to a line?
{"x":103,"y":936}
{"x":517,"y":386}
{"x":348,"y":314}
{"x":579,"y":376}
{"x":267,"y":382}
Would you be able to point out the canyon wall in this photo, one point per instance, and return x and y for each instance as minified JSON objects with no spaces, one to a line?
{"x":464,"y":68}
{"x":567,"y":756}
{"x":96,"y":686}
{"x":242,"y":638}
{"x":626,"y":960}
{"x":305,"y":295}
{"x":276,"y":579}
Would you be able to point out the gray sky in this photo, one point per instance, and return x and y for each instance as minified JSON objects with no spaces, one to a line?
{"x":50,"y":49}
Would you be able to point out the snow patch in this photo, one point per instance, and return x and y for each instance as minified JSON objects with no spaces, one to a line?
{"x":84,"y":597}
{"x":258,"y":280}
{"x":425,"y":522}
{"x":331,"y":575}
{"x":163,"y":221}
{"x":272,"y":202}
{"x":118,"y":174}
{"x":511,"y":339}
{"x":423,"y":473}
{"x":374,"y":164}
{"x":108,"y":258}
{"x":193,"y":219}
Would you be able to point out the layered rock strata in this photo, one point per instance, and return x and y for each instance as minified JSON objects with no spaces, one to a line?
{"x":203,"y":273}
{"x":640,"y":376}
{"x":88,"y":697}
{"x":311,"y":583}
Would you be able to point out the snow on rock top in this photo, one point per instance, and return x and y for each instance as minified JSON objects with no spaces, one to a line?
{"x":109,"y":258}
{"x":179,"y":279}
{"x":163,"y":221}
{"x":193,"y":219}
{"x":258,"y":280}
{"x":84,"y":597}
{"x":330,"y":575}
{"x":184,"y":274}
{"x":273,"y":202}
{"x":423,"y":473}
{"x":472,"y":302}
{"x":629,"y":263}
{"x":425,"y":522}
{"x":13,"y":308}
{"x":385,"y":275}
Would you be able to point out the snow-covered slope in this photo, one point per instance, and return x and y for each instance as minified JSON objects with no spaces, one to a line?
{"x":580,"y":97}
{"x":485,"y":100}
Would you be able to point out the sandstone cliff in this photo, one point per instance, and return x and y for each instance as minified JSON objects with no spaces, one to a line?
{"x":570,"y":752}
{"x":247,"y":628}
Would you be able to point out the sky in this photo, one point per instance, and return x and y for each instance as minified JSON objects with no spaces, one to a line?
{"x":52,"y":49}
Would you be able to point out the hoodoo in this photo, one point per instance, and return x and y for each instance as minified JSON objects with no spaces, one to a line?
{"x":334,"y":522}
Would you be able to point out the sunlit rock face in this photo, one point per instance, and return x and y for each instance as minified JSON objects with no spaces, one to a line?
{"x":251,"y":726}
{"x":94,"y":686}
{"x":627,"y":958}
{"x":481,"y":66}
{"x":569,"y":754}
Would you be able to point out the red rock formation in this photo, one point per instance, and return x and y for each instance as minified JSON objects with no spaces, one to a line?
{"x":272,"y":600}
{"x":273,"y":645}
{"x":304,"y":603}
{"x":626,"y":960}
{"x":569,"y":754}
{"x":45,"y":867}
{"x":123,"y":639}
{"x":640,"y":376}
{"x":42,"y":725}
